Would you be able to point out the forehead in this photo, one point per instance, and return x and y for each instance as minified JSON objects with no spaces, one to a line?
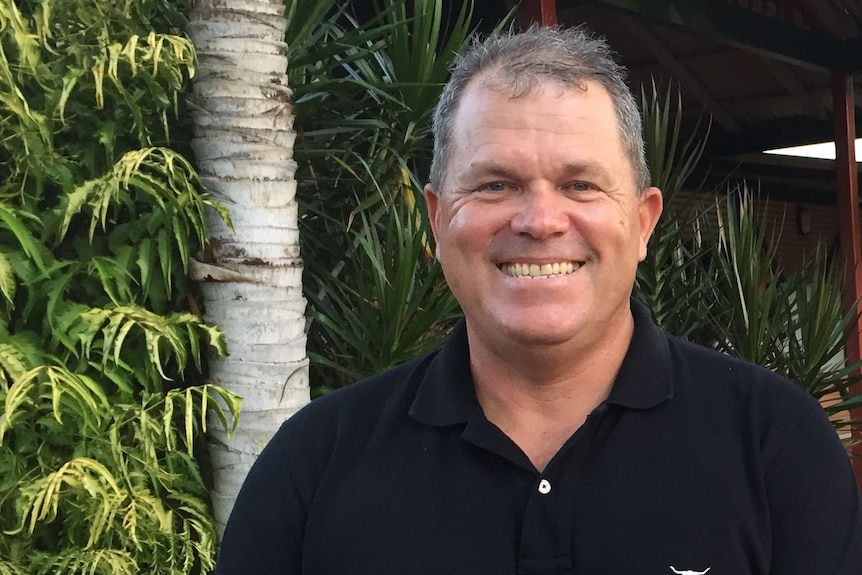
{"x":489,"y":95}
{"x":552,"y":119}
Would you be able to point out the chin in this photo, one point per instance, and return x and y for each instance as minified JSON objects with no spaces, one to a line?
{"x":540,"y":334}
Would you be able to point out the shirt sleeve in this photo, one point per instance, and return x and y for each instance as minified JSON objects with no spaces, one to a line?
{"x":814,"y":503}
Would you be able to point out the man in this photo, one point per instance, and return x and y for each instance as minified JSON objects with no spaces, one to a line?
{"x":558,"y":430}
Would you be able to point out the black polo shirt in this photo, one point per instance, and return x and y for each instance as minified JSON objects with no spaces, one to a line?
{"x":696,"y":461}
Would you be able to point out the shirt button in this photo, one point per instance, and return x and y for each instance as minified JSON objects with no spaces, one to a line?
{"x":544,"y":486}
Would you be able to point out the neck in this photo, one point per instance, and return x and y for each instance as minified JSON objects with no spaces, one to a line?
{"x":547,"y":372}
{"x":539,"y":395}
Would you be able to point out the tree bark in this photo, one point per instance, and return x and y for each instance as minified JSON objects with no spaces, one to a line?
{"x":251,"y":276}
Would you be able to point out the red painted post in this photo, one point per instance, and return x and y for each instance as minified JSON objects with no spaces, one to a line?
{"x":848,"y":215}
{"x":543,"y":12}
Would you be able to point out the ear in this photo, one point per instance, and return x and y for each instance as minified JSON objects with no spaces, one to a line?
{"x":649,"y":211}
{"x":432,"y":202}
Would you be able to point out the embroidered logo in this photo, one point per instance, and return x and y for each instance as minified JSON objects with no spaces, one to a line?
{"x":672,"y":568}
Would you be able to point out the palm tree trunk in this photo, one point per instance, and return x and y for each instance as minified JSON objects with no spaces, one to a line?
{"x":251,"y":277}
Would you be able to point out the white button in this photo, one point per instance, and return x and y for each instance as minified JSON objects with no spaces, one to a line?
{"x":544,"y":486}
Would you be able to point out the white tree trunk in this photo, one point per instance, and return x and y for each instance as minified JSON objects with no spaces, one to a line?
{"x":251,"y":277}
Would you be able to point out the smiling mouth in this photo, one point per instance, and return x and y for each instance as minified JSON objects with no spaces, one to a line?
{"x":535,"y":271}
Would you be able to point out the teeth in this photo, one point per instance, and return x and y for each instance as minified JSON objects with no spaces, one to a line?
{"x":540,"y":271}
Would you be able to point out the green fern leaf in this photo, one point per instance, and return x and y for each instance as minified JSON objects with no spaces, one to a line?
{"x":34,"y":250}
{"x":75,"y":201}
{"x":7,"y":278}
{"x":76,"y":561}
{"x":8,"y":567}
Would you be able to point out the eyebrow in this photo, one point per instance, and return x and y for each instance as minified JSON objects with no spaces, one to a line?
{"x":569,"y":169}
{"x":495,"y":169}
{"x":589,"y":169}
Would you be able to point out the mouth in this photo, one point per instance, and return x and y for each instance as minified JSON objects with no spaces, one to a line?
{"x":539,"y":271}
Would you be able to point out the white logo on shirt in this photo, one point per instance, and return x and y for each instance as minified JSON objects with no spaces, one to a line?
{"x":672,"y":568}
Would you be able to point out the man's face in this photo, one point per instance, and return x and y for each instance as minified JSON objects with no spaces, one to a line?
{"x":539,"y":226}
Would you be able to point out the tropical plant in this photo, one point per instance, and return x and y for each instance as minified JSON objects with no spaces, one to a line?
{"x":747,"y":289}
{"x":100,"y":365}
{"x":396,"y":306}
{"x":816,"y":327}
{"x":791,"y":322}
{"x":674,"y":277}
{"x":364,"y":96}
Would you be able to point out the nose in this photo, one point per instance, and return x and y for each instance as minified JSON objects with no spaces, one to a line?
{"x":541,"y":213}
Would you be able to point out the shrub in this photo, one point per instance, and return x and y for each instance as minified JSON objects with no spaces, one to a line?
{"x":100,"y":355}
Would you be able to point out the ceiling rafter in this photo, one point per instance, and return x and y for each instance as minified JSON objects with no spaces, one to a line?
{"x":788,"y":78}
{"x":691,"y":57}
{"x":822,"y":93}
{"x":682,"y":74}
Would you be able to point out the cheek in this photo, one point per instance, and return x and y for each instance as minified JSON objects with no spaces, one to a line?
{"x":609,"y":233}
{"x":469,"y":231}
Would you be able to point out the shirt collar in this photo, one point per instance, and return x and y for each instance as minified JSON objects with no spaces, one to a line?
{"x":645,"y":378}
{"x":446,"y":395}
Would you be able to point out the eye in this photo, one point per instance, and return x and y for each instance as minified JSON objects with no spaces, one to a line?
{"x":495,"y":187}
{"x":580,"y":186}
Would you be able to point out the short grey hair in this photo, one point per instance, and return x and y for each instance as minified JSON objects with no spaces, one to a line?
{"x":519,"y":63}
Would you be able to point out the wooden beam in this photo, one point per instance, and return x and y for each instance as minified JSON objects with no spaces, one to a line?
{"x":543,"y":12}
{"x":681,"y":73}
{"x":851,"y":241}
{"x":785,"y":74}
{"x":747,"y":30}
{"x":645,"y":61}
{"x":820,"y":94}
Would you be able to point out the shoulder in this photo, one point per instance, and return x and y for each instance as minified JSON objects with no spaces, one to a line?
{"x":740,"y":399}
{"x":367,"y":398}
{"x":768,"y":436}
{"x":346,"y":414}
{"x":714,"y":374}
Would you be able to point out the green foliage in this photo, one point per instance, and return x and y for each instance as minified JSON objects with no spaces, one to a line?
{"x":816,"y":327}
{"x":101,"y":380}
{"x":396,"y":307}
{"x":364,"y":94}
{"x":791,"y":322}
{"x":746,"y":287}
{"x":671,"y":159}
{"x":674,"y":277}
